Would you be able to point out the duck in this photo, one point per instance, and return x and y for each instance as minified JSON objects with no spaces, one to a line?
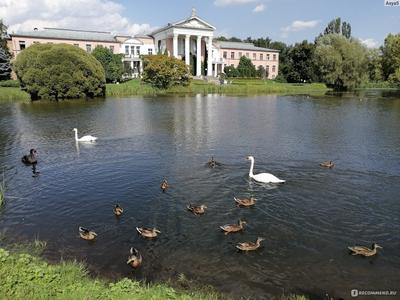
{"x":212,"y":163}
{"x":86,"y":234}
{"x":245,"y":202}
{"x":134,"y":258}
{"x":164,"y":185}
{"x":262,"y":177}
{"x":327,"y":164}
{"x":118,"y":210}
{"x":148,"y":232}
{"x":86,"y":138}
{"x":250,"y":246}
{"x":365,"y":251}
{"x":233,"y":227}
{"x":197,"y":210}
{"x":30,"y":159}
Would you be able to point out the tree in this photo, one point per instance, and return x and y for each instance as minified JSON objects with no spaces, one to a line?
{"x":165,"y":71}
{"x":246,"y":67}
{"x":112,"y":63}
{"x":390,"y":55}
{"x":374,"y":57}
{"x":261,"y":72}
{"x":394,"y":78}
{"x":5,"y":65}
{"x":59,"y":71}
{"x":337,"y":27}
{"x":231,"y":71}
{"x":342,"y":62}
{"x":300,"y":65}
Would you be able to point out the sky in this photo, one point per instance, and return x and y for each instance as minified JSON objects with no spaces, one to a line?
{"x":289,"y":21}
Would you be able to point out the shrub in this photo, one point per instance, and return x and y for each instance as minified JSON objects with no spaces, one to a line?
{"x":246,"y":68}
{"x":9,"y":83}
{"x":163,"y":71}
{"x":59,"y":71}
{"x":112,"y":63}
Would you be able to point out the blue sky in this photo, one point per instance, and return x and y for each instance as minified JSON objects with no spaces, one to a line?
{"x":286,"y":20}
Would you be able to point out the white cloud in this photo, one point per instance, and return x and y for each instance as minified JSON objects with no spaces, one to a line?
{"x":259,"y":8}
{"x":298,"y":26}
{"x":231,"y":2}
{"x":369,"y":43}
{"x":104,"y":15}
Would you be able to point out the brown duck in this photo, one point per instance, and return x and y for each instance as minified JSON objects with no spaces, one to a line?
{"x":327,"y":164}
{"x":118,"y":210}
{"x":134,"y":258}
{"x":164,"y":185}
{"x":197,"y":210}
{"x":365,"y":251}
{"x":233,"y":227}
{"x":245,"y":202}
{"x":86,"y":234}
{"x":249,"y":246}
{"x":148,"y":232}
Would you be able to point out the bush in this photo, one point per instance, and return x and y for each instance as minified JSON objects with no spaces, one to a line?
{"x":246,"y":68}
{"x":9,"y":83}
{"x":112,"y":63}
{"x":163,"y":71}
{"x":59,"y":71}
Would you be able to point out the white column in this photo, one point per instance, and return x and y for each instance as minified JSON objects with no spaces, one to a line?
{"x":187,"y":49}
{"x":198,"y":54}
{"x":175,"y":45}
{"x":209,"y":58}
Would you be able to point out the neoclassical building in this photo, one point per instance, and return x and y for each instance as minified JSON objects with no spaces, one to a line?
{"x":191,"y":39}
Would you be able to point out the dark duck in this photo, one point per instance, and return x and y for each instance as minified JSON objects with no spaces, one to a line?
{"x":30,"y":159}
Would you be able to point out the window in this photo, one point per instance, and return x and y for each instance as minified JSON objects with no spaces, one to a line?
{"x":273,"y":69}
{"x":268,"y":56}
{"x":267,"y":68}
{"x":137,"y":50}
{"x":36,"y":42}
{"x":254,"y":56}
{"x":274,"y":57}
{"x":225,"y":55}
{"x":232,"y":55}
{"x":126,"y":50}
{"x":132,"y":50}
{"x":112,"y":48}
{"x":232,"y":65}
{"x":261,"y":56}
{"x":247,"y":54}
{"x":240,"y":54}
{"x":88,"y":48}
{"x":22,"y":45}
{"x":150,"y":51}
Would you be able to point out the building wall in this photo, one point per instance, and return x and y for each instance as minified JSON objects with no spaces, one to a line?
{"x":269,"y":60}
{"x":15,"y":43}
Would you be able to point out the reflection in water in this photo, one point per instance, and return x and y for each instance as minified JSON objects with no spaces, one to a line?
{"x":307,"y":223}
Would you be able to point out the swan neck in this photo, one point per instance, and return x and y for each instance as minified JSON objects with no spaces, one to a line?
{"x":76,"y":135}
{"x":251,"y":168}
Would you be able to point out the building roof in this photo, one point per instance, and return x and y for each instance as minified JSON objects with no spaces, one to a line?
{"x":242,"y":46}
{"x":69,"y":34}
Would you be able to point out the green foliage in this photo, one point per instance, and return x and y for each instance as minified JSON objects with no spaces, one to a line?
{"x":59,"y":71}
{"x":231,"y":71}
{"x":12,"y":94}
{"x":261,"y":72}
{"x":163,"y":71}
{"x":391,"y":55}
{"x":246,"y":68}
{"x":5,"y":65}
{"x":337,"y":27}
{"x":9,"y":83}
{"x":112,"y":63}
{"x":300,"y":66}
{"x":394,"y":78}
{"x":375,"y":65}
{"x":24,"y":276}
{"x":342,"y":62}
{"x":259,"y":42}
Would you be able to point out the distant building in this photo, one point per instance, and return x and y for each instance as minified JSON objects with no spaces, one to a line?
{"x":191,"y":40}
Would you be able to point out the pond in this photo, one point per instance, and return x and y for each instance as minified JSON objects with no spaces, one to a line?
{"x":307,"y":223}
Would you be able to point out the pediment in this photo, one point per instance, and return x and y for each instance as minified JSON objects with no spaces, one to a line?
{"x":195,"y":22}
{"x":132,"y":41}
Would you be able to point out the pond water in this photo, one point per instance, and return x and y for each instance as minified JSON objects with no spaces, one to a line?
{"x":307,"y":222}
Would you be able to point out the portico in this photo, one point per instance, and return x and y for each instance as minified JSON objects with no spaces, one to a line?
{"x":189,"y":40}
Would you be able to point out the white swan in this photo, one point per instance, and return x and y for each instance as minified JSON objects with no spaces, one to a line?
{"x":262,"y":177}
{"x":86,"y":138}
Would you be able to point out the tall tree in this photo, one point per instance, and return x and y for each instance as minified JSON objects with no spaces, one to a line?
{"x":391,"y":55}
{"x":336,"y":26}
{"x":112,"y":63}
{"x":342,"y":62}
{"x":246,"y":67}
{"x":375,"y":65}
{"x":5,"y":65}
{"x":300,"y":65}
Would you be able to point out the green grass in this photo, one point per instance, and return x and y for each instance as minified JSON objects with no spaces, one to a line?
{"x":2,"y":192}
{"x":12,"y":94}
{"x":237,"y":87}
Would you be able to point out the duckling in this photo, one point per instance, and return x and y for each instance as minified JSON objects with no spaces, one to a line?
{"x":213,"y":163}
{"x":30,"y":159}
{"x":327,"y":164}
{"x":249,"y":246}
{"x":245,"y":202}
{"x":118,"y":210}
{"x":164,"y":185}
{"x":86,"y":234}
{"x":148,"y":232}
{"x":365,"y":251}
{"x":233,"y":227}
{"x":135,"y":258}
{"x":197,"y":210}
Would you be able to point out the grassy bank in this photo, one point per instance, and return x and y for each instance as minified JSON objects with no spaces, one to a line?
{"x":12,"y":93}
{"x":237,"y":87}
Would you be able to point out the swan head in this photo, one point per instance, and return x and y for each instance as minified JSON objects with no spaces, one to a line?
{"x":250,"y":157}
{"x":75,"y":129}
